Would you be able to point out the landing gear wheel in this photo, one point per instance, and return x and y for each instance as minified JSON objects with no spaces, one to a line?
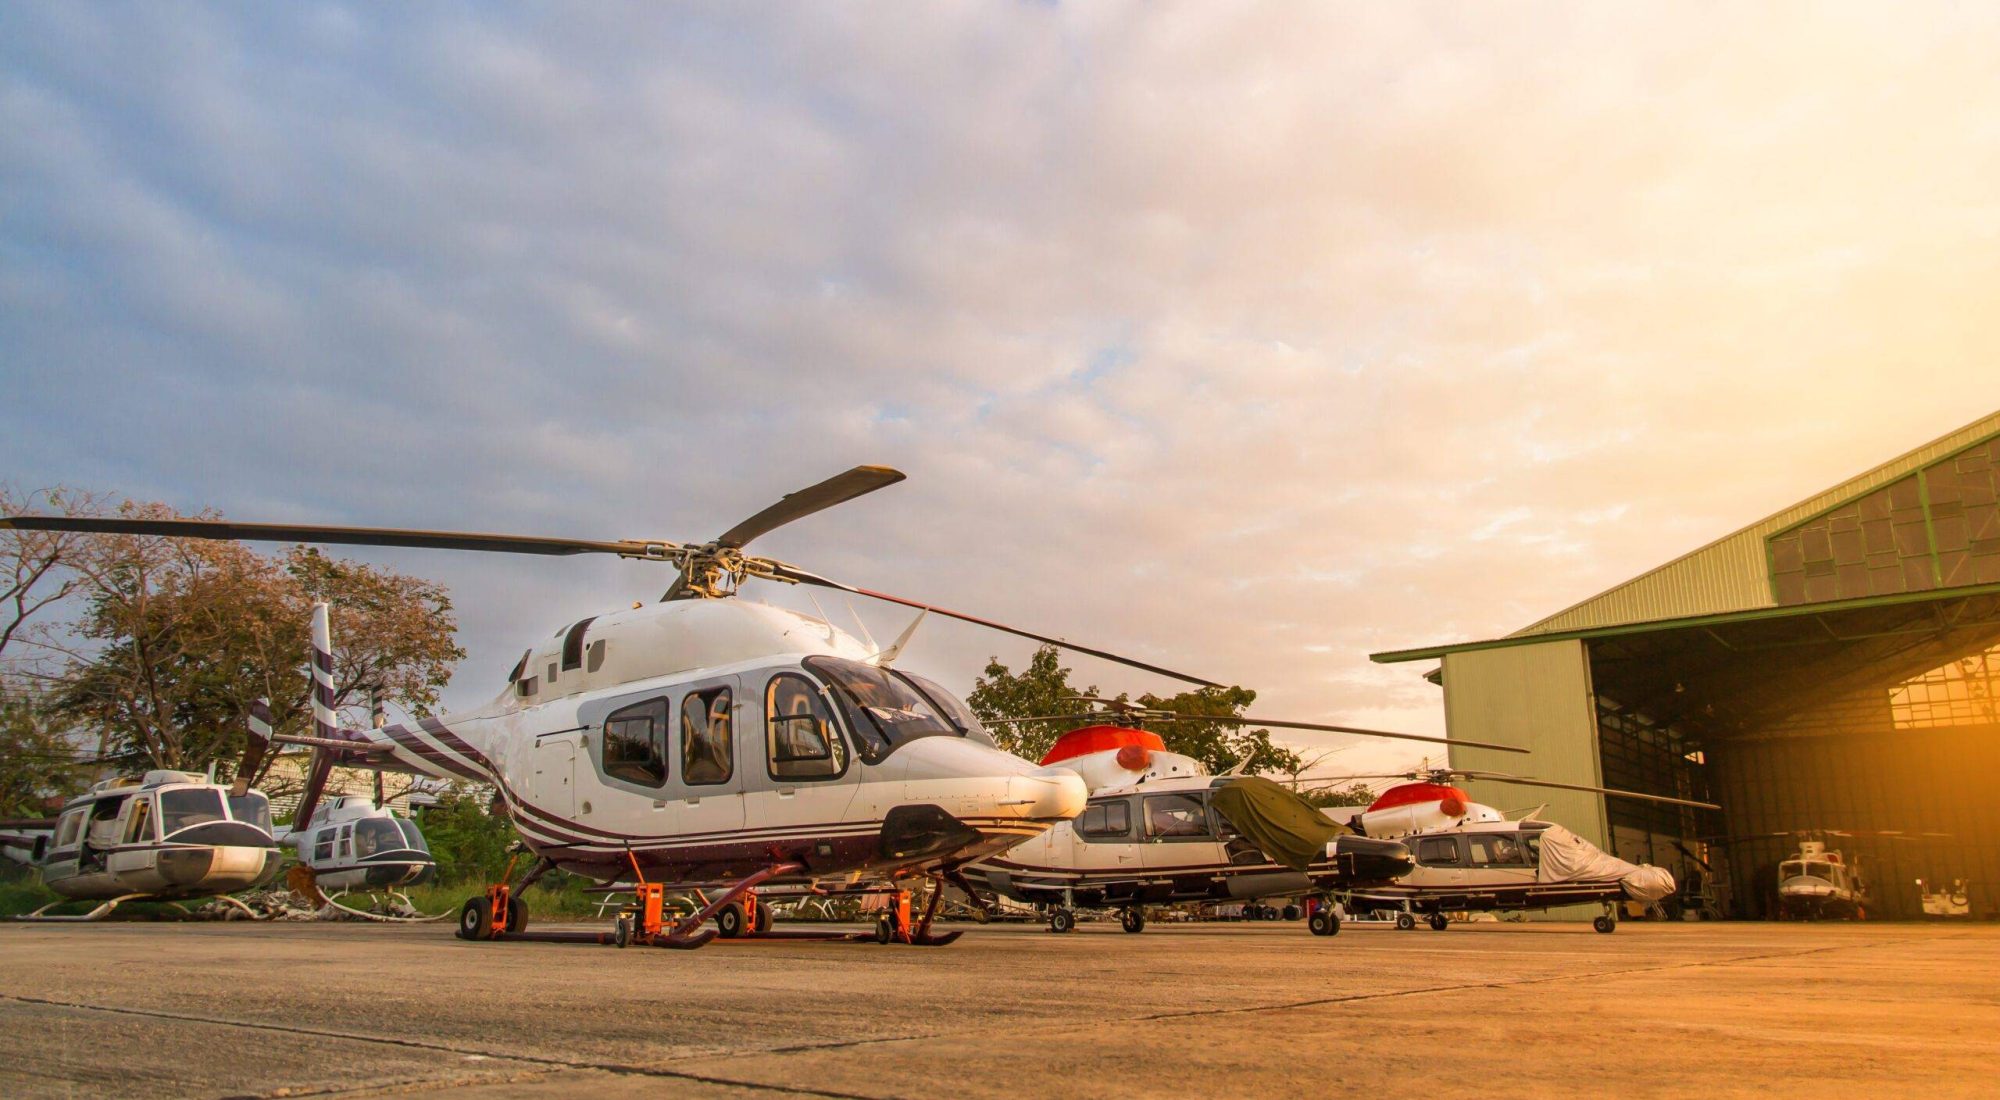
{"x":1324,"y":922}
{"x":884,"y":931}
{"x":622,"y":934}
{"x":517,"y":916}
{"x":1605,"y":924}
{"x":1291,"y":912}
{"x":1132,"y":920}
{"x":1437,"y":922}
{"x":762,"y":922}
{"x":730,"y":921}
{"x":1405,"y":922}
{"x":475,"y":921}
{"x":1062,"y":920}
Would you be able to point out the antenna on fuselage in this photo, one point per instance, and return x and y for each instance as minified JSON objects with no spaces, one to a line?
{"x":888,"y":656}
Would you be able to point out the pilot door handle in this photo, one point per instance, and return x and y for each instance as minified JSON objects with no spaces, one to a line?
{"x":787,"y":792}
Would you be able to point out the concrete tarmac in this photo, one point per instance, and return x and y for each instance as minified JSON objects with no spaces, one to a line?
{"x":1240,"y":1010}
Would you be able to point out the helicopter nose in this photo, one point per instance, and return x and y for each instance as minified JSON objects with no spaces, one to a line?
{"x":1048,"y":794}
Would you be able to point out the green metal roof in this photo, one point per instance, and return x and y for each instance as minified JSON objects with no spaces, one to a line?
{"x":1430,"y":653}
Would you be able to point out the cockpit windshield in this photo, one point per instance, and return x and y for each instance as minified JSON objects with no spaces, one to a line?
{"x":412,"y":836}
{"x":951,"y":706}
{"x":882,"y":711}
{"x":375,"y":835}
{"x":1820,"y":870}
{"x":186,"y":808}
{"x":1792,"y":869}
{"x":251,"y":808}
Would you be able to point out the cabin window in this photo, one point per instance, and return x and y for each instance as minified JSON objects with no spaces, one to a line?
{"x":251,"y":808}
{"x":1791,"y":870}
{"x":1532,"y":844}
{"x":184,"y":809}
{"x":1496,"y":850}
{"x":376,"y":834}
{"x":139,"y":826}
{"x":413,"y":837}
{"x":347,"y":842}
{"x":528,"y":687}
{"x":323,"y":846}
{"x":1106,"y":819}
{"x":708,"y":747}
{"x":69,"y":829}
{"x":799,"y":738}
{"x":572,"y":651}
{"x":1176,"y":816}
{"x":1438,"y":851}
{"x":635,"y":743}
{"x":595,"y":660}
{"x":1820,"y":870}
{"x":882,"y":711}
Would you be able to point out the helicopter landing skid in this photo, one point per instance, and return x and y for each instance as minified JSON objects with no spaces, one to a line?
{"x":333,"y":901}
{"x":99,"y":913}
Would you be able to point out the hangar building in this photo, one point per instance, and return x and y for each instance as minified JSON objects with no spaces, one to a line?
{"x":1833,"y":666}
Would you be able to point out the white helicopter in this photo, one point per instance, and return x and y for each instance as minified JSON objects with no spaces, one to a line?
{"x":702,"y":742}
{"x":1821,"y":883}
{"x":1160,"y":830}
{"x":1470,"y":856}
{"x":165,"y":836}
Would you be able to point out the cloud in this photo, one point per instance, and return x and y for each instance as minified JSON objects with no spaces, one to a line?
{"x":1244,"y":340}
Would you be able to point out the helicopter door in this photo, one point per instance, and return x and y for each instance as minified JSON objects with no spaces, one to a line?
{"x":711,"y":760}
{"x":1440,"y":862}
{"x":552,"y":781}
{"x":800,"y":771}
{"x":1180,"y":850}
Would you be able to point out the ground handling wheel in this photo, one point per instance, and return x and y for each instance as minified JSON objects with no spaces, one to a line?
{"x":1437,"y":922}
{"x":1605,"y":924}
{"x":884,"y":931}
{"x":517,"y":916}
{"x":1405,"y":922}
{"x":475,"y":921}
{"x":1061,"y":920}
{"x":621,"y":934}
{"x":1132,"y":920}
{"x":1323,"y":922}
{"x":730,"y":921}
{"x":1291,"y":912}
{"x":761,"y":923}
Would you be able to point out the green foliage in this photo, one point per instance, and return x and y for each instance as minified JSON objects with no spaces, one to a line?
{"x":1043,"y":688}
{"x":1354,"y":794}
{"x":38,"y":761}
{"x":470,"y":844}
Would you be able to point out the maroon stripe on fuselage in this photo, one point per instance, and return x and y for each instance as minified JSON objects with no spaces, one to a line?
{"x":454,"y":742}
{"x":406,"y":740}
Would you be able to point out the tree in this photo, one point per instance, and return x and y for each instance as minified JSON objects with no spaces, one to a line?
{"x":38,"y":761}
{"x":1043,"y":688}
{"x":1354,"y":794}
{"x":179,"y":636}
{"x":469,"y":844}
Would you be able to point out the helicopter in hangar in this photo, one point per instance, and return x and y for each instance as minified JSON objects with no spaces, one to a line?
{"x":1821,"y":883}
{"x":1159,"y":829}
{"x":702,"y":742}
{"x":1470,"y":856}
{"x":162,"y":836}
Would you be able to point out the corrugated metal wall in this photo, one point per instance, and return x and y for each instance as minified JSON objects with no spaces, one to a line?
{"x":1539,"y":697}
{"x":1732,"y":573}
{"x":1938,"y":780}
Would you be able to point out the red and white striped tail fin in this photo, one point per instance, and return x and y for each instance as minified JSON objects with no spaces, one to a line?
{"x":325,"y":723}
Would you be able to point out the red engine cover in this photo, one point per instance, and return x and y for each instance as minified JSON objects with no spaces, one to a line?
{"x":1092,"y":739}
{"x":1407,"y":793}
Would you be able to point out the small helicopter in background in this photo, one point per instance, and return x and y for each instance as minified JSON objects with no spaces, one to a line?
{"x":701,"y":743}
{"x":1470,"y":856}
{"x":1821,"y":883}
{"x":167,"y":836}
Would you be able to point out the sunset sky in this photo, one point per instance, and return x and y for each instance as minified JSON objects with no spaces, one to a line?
{"x":1247,"y":340}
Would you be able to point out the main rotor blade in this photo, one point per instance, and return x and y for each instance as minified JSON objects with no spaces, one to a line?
{"x":347,"y":536}
{"x":838,"y":489}
{"x":793,"y":573}
{"x":1043,"y":718}
{"x":1502,"y":777}
{"x":1254,"y":721}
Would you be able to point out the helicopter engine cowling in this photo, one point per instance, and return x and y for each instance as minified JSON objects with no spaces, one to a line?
{"x":1116,"y":756}
{"x":1415,"y":807}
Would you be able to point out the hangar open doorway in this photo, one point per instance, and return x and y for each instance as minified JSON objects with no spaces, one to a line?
{"x":1831,"y":667}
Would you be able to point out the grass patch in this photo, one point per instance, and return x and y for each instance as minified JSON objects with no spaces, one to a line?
{"x":557,"y":898}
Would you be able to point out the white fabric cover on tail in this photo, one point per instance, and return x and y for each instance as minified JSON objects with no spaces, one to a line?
{"x":1567,"y":857}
